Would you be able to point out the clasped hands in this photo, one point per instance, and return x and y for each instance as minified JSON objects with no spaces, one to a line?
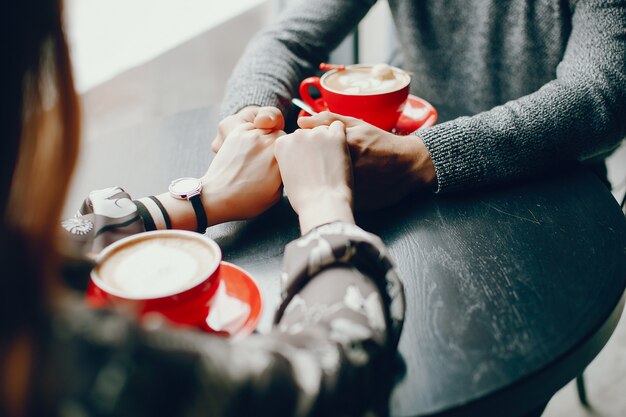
{"x":315,"y":164}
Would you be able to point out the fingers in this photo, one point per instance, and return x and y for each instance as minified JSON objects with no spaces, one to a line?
{"x":318,"y":137}
{"x":316,"y":133}
{"x":265,"y":118}
{"x":269,"y":118}
{"x":271,"y":138}
{"x":252,"y":142}
{"x":280,"y":148}
{"x":230,"y":123}
{"x":325,"y":118}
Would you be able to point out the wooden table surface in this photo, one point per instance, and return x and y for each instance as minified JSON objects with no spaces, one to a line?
{"x":511,"y":290}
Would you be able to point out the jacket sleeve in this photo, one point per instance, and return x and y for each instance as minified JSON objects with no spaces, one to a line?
{"x":331,"y":352}
{"x":333,"y":345}
{"x":578,"y":115}
{"x":278,"y":58}
{"x":105,"y":216}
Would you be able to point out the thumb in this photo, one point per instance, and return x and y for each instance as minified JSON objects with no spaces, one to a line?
{"x":269,"y":118}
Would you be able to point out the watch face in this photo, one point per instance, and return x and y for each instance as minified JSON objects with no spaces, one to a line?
{"x":185,"y":186}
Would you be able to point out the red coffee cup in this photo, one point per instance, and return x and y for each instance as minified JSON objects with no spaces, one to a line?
{"x":381,"y":109}
{"x":127,"y":271}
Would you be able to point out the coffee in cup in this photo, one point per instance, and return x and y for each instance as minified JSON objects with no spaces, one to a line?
{"x":364,"y":80}
{"x":171,"y":272}
{"x":375,"y":94}
{"x":156,"y":265}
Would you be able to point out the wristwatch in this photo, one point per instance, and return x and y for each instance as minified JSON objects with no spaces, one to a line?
{"x":190,"y":189}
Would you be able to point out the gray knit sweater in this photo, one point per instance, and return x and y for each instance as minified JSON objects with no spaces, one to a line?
{"x":520,"y":85}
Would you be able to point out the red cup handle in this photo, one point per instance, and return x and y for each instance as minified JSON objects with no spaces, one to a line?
{"x":306,"y":96}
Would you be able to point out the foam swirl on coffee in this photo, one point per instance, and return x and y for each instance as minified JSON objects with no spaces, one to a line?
{"x":366,"y":80}
{"x":156,"y":267}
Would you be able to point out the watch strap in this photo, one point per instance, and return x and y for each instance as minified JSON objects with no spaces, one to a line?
{"x":201,"y":220}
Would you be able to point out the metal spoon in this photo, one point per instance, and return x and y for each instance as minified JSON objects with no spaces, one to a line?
{"x":303,"y":106}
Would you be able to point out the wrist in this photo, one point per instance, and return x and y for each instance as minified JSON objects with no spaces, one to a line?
{"x":180,"y":212}
{"x":165,"y":211}
{"x":153,"y":213}
{"x":216,"y":204}
{"x":328,"y":207}
{"x":422,"y":169}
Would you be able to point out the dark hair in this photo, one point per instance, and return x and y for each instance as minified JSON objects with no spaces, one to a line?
{"x":39,"y":134}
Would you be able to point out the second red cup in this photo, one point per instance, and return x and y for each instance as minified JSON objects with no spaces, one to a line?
{"x":362,"y":91}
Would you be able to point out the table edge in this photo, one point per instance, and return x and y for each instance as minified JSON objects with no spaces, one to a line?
{"x":550,"y":378}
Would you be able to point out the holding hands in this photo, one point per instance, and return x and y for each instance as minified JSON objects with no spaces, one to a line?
{"x":386,"y":167}
{"x":244,"y":179}
{"x":246,"y":175}
{"x":315,"y":165}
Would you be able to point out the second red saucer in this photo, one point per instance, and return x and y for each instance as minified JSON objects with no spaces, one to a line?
{"x":417,"y":114}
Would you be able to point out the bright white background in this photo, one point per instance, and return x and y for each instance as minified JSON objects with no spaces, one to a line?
{"x":109,"y":37}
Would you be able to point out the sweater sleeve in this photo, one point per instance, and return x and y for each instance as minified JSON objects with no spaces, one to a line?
{"x":578,"y":115}
{"x":278,"y":58}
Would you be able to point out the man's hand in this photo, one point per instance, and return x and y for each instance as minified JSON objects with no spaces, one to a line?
{"x":268,"y":118}
{"x":386,"y":167}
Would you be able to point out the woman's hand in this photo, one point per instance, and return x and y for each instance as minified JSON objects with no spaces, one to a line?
{"x":317,"y":174}
{"x":386,"y":166}
{"x":269,"y":118}
{"x":243,"y":180}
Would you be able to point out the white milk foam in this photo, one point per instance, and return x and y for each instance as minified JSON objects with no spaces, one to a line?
{"x":359,"y":81}
{"x":156,"y":267}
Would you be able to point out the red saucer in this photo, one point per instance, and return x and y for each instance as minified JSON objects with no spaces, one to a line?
{"x":239,"y":285}
{"x":237,"y":290}
{"x":417,"y":114}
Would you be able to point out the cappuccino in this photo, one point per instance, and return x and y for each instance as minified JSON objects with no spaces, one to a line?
{"x":366,"y":80}
{"x":158,"y":265}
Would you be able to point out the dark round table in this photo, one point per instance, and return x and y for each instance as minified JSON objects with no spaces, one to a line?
{"x":511,"y":290}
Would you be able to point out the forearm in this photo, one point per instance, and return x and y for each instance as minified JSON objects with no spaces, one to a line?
{"x":278,"y":58}
{"x":520,"y":138}
{"x":576,"y":116}
{"x":181,"y":214}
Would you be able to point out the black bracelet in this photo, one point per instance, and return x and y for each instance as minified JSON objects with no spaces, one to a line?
{"x":166,"y":217}
{"x":148,"y":221}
